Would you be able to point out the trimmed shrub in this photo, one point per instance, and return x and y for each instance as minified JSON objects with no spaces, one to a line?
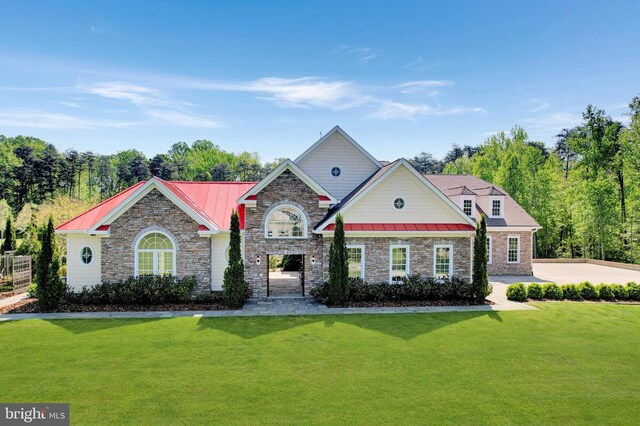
{"x":619,"y":292}
{"x":234,"y":288}
{"x":517,"y":292}
{"x":144,"y":290}
{"x":413,"y":287}
{"x":605,"y":292}
{"x":480,"y":279}
{"x":338,"y":265}
{"x":534,"y":291}
{"x":552,"y":291}
{"x":211,"y":297}
{"x":633,"y":291}
{"x":571,"y":292}
{"x":588,"y":291}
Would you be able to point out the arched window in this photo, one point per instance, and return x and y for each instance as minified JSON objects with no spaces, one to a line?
{"x":286,"y":222}
{"x":155,"y":255}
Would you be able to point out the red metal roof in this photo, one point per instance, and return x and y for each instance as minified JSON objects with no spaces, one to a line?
{"x":212,"y":200}
{"x":403,"y":227}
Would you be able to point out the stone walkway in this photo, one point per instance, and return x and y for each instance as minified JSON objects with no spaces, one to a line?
{"x":276,"y":307}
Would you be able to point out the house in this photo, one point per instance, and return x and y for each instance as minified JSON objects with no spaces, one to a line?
{"x":397,"y":223}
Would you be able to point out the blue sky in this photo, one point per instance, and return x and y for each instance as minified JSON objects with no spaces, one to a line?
{"x":269,"y":77}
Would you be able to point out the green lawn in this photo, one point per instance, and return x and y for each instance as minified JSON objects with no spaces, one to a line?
{"x":566,"y":363}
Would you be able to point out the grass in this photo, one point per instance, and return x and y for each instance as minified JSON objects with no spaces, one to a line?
{"x":566,"y":363}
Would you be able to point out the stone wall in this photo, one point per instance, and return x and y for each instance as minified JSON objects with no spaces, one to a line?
{"x":377,"y":255}
{"x":499,"y":264}
{"x":155,"y":212}
{"x":285,"y":189}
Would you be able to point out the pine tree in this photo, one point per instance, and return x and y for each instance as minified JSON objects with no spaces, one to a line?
{"x":480,"y":279}
{"x":51,"y":289}
{"x":9,"y":243}
{"x":30,"y":242}
{"x":234,"y":287}
{"x":338,"y":266}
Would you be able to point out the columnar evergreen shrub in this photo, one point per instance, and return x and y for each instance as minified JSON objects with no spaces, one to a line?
{"x":633,"y":291}
{"x":234,"y":287}
{"x":480,"y":278}
{"x":619,"y":292}
{"x":517,"y":292}
{"x":534,"y":291}
{"x":338,"y":266}
{"x":51,"y":289}
{"x":605,"y":292}
{"x":571,"y":292}
{"x":588,"y":291}
{"x":552,"y":291}
{"x":30,"y":243}
{"x":9,"y":242}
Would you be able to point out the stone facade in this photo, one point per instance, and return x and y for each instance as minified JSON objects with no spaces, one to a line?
{"x":155,"y":212}
{"x":377,"y":254}
{"x":285,"y":189}
{"x":499,"y":264}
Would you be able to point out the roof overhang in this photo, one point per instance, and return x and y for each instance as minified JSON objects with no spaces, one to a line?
{"x":324,"y":197}
{"x":513,"y":228}
{"x":151,"y":184}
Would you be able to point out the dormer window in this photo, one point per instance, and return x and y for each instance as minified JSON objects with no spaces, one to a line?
{"x":467,"y":207}
{"x":496,"y":208}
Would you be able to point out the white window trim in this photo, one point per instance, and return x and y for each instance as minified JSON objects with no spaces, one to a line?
{"x":394,"y":246}
{"x":302,"y":216}
{"x":491,"y":200}
{"x":473,"y":210}
{"x":489,"y":251}
{"x":435,"y":248}
{"x":362,"y":261}
{"x":517,"y":237}
{"x":93,"y":255}
{"x":155,"y":258}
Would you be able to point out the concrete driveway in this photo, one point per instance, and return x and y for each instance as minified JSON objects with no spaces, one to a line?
{"x":564,"y":273}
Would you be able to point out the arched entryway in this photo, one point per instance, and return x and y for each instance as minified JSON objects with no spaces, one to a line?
{"x":286,"y":275}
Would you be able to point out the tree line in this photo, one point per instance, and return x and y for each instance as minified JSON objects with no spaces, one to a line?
{"x":584,"y":191}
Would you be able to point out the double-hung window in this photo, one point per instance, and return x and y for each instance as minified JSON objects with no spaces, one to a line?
{"x":513,"y":249}
{"x":355,"y":255}
{"x":442,"y":260}
{"x":398,"y":263}
{"x":496,"y":208}
{"x":467,"y":207}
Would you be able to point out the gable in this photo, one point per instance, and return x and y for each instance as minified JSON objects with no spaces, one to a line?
{"x":422,"y":204}
{"x":337,"y":149}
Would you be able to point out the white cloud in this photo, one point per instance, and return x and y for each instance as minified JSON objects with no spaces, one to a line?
{"x":423,"y":86}
{"x":396,"y":110}
{"x":541,"y":105}
{"x":136,"y":94}
{"x":35,"y":119}
{"x":184,"y":119}
{"x":69,"y":104}
{"x":363,"y":53}
{"x":553,"y":122}
{"x":419,"y":64}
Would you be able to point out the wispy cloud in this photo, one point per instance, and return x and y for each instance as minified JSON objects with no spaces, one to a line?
{"x":136,"y":94}
{"x":362,"y":53}
{"x":553,"y":122}
{"x":540,"y":105}
{"x":390,"y":110}
{"x":423,"y":86}
{"x":36,"y":119}
{"x":68,"y":104}
{"x":420,"y":64}
{"x":184,"y":119}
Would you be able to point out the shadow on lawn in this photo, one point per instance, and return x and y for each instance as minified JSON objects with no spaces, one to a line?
{"x":404,"y":326}
{"x":80,"y":326}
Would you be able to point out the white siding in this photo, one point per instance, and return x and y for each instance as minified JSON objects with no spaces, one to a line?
{"x":79,"y":274}
{"x":422,"y":205}
{"x":219,"y":245}
{"x":337,"y":152}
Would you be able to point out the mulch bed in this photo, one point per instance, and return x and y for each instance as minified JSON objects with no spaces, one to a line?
{"x":30,"y":306}
{"x":5,"y":294}
{"x":410,"y":303}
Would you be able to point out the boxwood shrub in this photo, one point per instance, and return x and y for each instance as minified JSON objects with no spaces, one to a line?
{"x":588,"y":291}
{"x":414,"y":287}
{"x":534,"y":291}
{"x":552,"y":291}
{"x":517,"y":292}
{"x":146,"y":290}
{"x":619,"y":292}
{"x":605,"y":292}
{"x":571,"y":292}
{"x":633,"y":290}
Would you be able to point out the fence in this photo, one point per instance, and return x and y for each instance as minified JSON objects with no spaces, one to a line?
{"x":15,"y":271}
